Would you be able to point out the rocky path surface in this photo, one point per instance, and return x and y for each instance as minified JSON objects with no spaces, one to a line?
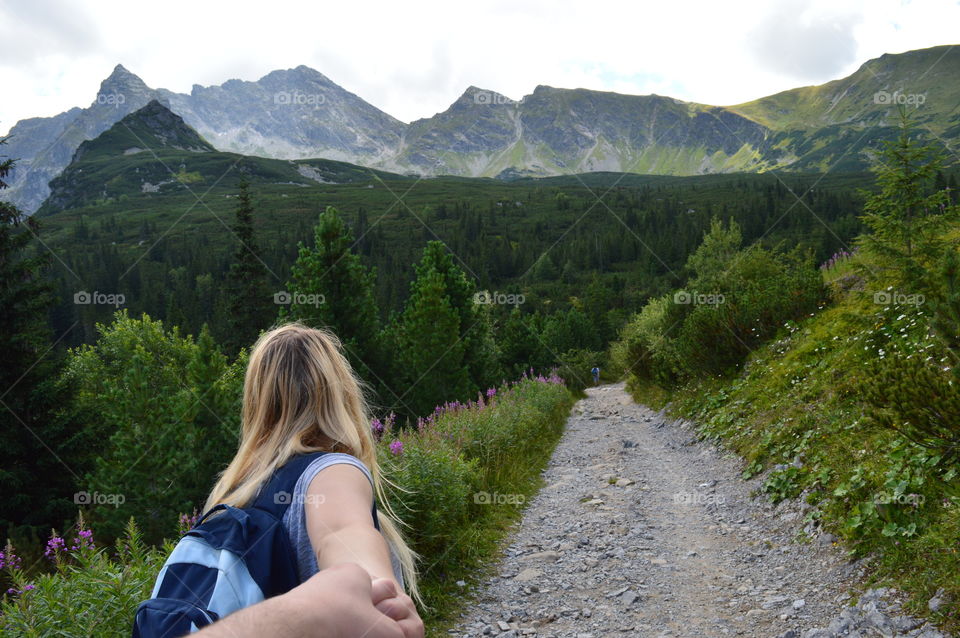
{"x":642,"y":530}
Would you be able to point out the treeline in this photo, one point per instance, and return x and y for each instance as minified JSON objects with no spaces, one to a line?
{"x":548,"y":242}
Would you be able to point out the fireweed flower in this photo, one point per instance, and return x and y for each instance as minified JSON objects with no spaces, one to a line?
{"x":397,"y":447}
{"x":491,"y":392}
{"x":83,"y":539}
{"x":377,"y":426}
{"x":55,"y":545}
{"x":9,"y":560}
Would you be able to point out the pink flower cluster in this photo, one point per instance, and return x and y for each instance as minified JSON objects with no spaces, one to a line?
{"x":484,"y":400}
{"x":186,"y":522}
{"x":9,"y":560}
{"x":378,"y":427}
{"x":82,"y":539}
{"x":837,"y":258}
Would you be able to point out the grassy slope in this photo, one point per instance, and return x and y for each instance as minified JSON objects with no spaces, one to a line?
{"x":798,"y":396}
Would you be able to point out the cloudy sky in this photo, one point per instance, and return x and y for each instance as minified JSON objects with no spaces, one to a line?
{"x":412,"y":59}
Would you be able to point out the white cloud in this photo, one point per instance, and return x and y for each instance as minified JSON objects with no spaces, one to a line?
{"x":414,"y":59}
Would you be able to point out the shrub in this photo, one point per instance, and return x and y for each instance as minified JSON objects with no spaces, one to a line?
{"x":89,"y":591}
{"x":168,"y":415}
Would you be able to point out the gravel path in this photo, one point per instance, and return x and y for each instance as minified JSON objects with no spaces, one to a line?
{"x":641,"y":530}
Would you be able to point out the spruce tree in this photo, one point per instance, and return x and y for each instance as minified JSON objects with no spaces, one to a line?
{"x":248,"y":298}
{"x":431,"y":356}
{"x":475,"y":329}
{"x":337,"y":291}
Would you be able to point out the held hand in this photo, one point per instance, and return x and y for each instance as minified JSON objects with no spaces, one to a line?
{"x":346,"y":588}
{"x":398,"y":606}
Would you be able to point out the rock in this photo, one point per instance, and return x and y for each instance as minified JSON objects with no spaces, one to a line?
{"x":503,"y":626}
{"x":527,"y":575}
{"x":629,"y":597}
{"x":799,"y":603}
{"x":549,"y":556}
{"x":826,"y":539}
{"x":937,"y":602}
{"x":623,"y":482}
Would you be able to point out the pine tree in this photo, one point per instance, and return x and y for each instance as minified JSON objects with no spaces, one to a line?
{"x":475,"y":326}
{"x":36,"y":471}
{"x":907,"y":216}
{"x":248,"y":298}
{"x":432,"y":356}
{"x":330,"y":274}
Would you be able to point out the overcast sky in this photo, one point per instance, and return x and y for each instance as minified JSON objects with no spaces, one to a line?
{"x":412,"y":59}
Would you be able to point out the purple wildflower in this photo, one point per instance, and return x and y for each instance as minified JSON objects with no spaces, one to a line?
{"x":9,"y":560}
{"x":377,"y":426}
{"x":491,"y":392}
{"x":187,"y":521}
{"x":396,"y":447}
{"x":54,"y":546}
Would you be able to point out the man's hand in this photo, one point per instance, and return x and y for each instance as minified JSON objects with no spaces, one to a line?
{"x":337,"y":602}
{"x":398,"y":606}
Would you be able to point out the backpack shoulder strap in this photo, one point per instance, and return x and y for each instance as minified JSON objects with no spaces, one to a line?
{"x":277,"y":494}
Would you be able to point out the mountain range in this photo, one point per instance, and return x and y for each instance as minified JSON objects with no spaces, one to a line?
{"x":300,"y":113}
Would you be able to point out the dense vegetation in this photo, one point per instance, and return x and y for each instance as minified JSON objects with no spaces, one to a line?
{"x":846,"y":397}
{"x":460,"y":479}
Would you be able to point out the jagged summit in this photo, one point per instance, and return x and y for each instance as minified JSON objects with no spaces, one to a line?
{"x":300,"y":113}
{"x":144,"y":130}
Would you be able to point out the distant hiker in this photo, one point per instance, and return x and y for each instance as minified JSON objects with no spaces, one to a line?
{"x":305,"y":485}
{"x":596,"y":375}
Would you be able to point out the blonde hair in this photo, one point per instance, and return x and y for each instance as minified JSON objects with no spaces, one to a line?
{"x":300,"y":395}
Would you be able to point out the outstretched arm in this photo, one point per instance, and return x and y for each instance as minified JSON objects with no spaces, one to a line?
{"x":339,"y":523}
{"x":336,"y":603}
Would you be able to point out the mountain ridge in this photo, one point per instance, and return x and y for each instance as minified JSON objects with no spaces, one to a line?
{"x":301,"y":113}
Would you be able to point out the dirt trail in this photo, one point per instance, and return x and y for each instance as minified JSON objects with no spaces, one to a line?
{"x":641,"y":530}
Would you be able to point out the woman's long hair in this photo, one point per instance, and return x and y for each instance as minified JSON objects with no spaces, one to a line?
{"x":300,"y":395}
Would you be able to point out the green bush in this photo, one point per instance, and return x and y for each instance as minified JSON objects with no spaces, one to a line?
{"x":462,"y":474}
{"x":167,"y":410}
{"x":89,"y":592}
{"x":737,"y":299}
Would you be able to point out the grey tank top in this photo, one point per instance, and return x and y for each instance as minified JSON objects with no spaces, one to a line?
{"x":295,"y":519}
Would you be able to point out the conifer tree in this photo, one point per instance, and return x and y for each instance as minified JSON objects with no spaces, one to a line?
{"x":37,"y":482}
{"x":337,"y":292}
{"x":431,"y":356}
{"x":248,"y":297}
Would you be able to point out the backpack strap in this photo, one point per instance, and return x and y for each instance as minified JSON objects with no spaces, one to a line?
{"x":277,"y":494}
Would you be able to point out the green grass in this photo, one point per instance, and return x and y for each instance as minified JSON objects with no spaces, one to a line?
{"x":799,"y":396}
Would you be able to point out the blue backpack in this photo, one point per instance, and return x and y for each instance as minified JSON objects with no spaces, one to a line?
{"x":227,"y":562}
